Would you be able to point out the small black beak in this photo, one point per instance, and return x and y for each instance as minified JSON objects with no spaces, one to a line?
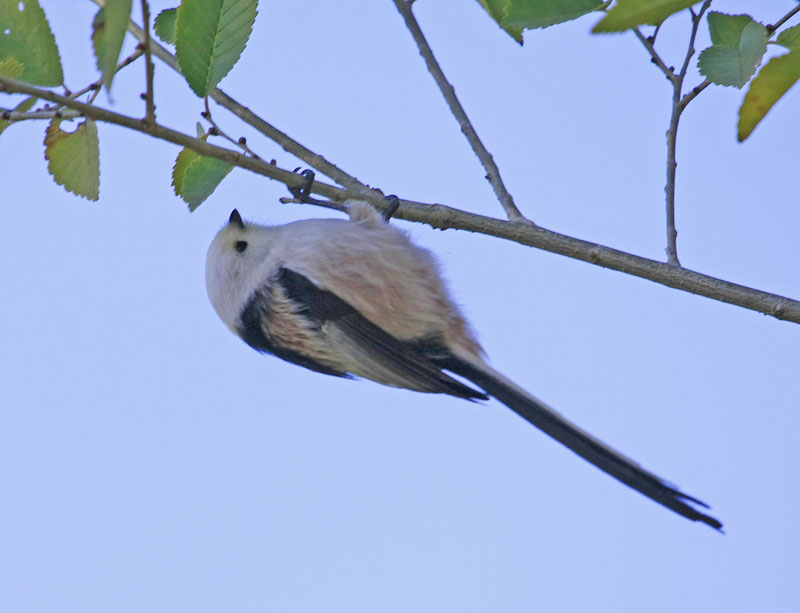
{"x":235,"y":218}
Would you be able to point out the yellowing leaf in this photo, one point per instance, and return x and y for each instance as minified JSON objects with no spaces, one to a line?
{"x":772,"y":82}
{"x":73,"y":158}
{"x":627,"y":14}
{"x":528,"y":14}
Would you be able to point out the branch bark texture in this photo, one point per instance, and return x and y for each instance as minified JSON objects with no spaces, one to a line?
{"x":445,"y":217}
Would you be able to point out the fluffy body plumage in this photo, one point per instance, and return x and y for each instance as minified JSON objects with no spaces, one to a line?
{"x":356,"y":297}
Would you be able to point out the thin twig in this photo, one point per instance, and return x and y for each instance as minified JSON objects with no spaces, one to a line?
{"x":693,"y":36}
{"x":287,"y":143}
{"x":13,"y":116}
{"x":649,"y":44}
{"x":669,"y":187}
{"x":149,"y":68}
{"x":314,"y":160}
{"x":239,"y":142}
{"x":784,"y":19}
{"x":693,"y":93}
{"x":672,"y":139}
{"x":449,"y":93}
{"x":679,"y":103}
{"x":444,"y":217}
{"x":95,"y":87}
{"x":326,"y":204}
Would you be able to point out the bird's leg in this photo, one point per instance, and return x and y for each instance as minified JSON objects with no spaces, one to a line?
{"x":303,"y":192}
{"x":393,"y":202}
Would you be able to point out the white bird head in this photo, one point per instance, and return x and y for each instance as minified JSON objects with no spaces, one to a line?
{"x":233,"y":266}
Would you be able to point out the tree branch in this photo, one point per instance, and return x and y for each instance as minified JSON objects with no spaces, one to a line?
{"x":444,"y":217}
{"x":649,"y":44}
{"x":149,"y":68}
{"x":678,"y":104}
{"x":783,"y":19}
{"x":97,"y":85}
{"x":217,"y":131}
{"x":695,"y":91}
{"x":449,"y":93}
{"x":14,"y":116}
{"x":315,"y":161}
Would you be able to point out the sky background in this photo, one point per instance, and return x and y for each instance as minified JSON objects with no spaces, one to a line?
{"x":150,"y":461}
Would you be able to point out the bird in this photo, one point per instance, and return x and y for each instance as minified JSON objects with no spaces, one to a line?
{"x":357,"y":298}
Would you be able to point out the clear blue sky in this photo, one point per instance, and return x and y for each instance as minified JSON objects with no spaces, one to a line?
{"x":150,"y":461}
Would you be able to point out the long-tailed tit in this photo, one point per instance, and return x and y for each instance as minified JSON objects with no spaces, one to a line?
{"x":356,"y":297}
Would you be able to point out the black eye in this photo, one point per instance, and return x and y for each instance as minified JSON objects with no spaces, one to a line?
{"x":240,"y":246}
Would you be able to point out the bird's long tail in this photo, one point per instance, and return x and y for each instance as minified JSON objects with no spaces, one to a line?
{"x":582,"y":443}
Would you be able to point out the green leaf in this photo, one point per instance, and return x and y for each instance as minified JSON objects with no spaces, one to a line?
{"x":772,"y":82}
{"x":726,"y":30}
{"x":165,"y":25}
{"x":496,"y":10}
{"x":529,"y":14}
{"x":210,"y":37}
{"x":790,"y":38}
{"x":739,"y":45}
{"x":73,"y":158}
{"x":195,"y":176}
{"x":108,"y":32}
{"x":27,"y":41}
{"x":629,"y":14}
{"x":22,"y":107}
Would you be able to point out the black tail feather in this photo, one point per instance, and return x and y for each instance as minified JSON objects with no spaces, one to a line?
{"x":589,"y":448}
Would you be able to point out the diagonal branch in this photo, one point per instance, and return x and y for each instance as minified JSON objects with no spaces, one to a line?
{"x":649,"y":44}
{"x":288,"y":144}
{"x":449,"y":93}
{"x":783,"y":19}
{"x":444,"y":217}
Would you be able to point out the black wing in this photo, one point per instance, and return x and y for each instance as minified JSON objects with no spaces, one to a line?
{"x":374,"y":347}
{"x":253,"y":333}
